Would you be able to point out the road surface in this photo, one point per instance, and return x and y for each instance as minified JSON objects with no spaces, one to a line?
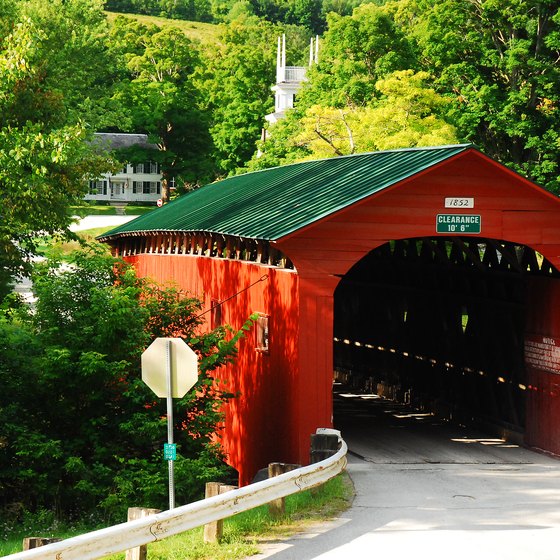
{"x":426,"y":490}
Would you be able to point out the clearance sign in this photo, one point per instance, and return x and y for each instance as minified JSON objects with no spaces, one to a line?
{"x":458,"y":223}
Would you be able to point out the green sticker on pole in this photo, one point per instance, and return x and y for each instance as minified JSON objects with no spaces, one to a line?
{"x":170,"y":451}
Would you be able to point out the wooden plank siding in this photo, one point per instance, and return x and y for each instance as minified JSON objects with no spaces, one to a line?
{"x":259,"y":421}
{"x":511,"y":209}
{"x":543,"y":387}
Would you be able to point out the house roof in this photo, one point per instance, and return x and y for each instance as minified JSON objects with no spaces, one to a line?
{"x":273,"y":203}
{"x":118,"y":140}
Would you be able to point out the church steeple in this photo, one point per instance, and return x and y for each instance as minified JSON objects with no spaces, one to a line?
{"x":289,"y":79}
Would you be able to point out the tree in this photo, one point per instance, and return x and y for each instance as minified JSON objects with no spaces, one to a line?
{"x":44,"y":157}
{"x":162,"y":98}
{"x":196,"y":10}
{"x":238,"y":79}
{"x":81,"y":432}
{"x":357,"y":51}
{"x":343,"y":97}
{"x":498,"y":61}
{"x":405,"y":116}
{"x":76,"y":64}
{"x":409,"y":114}
{"x":306,"y":13}
{"x":280,"y":146}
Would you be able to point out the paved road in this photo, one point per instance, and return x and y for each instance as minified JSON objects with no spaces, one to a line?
{"x":425,"y":490}
{"x":90,"y":222}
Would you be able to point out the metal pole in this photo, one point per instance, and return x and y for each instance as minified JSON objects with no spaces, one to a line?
{"x":170,"y":426}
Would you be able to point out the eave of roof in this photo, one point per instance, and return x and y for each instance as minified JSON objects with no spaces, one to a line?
{"x":273,"y":203}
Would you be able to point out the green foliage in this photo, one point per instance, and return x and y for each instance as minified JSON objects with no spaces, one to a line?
{"x":197,"y":10}
{"x":242,"y":532}
{"x":76,"y":68}
{"x":494,"y":61}
{"x":63,"y":75}
{"x":159,"y":90}
{"x":44,"y":157}
{"x":237,"y":82}
{"x":308,"y":13}
{"x":356,"y":51}
{"x":404,"y":117}
{"x":80,"y":431}
{"x":498,"y":62}
{"x":281,"y":146}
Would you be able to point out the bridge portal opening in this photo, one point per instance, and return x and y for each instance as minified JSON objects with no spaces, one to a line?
{"x":439,"y":323}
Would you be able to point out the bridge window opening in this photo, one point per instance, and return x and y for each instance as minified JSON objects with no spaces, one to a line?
{"x":262,"y":334}
{"x":439,"y":323}
{"x":464,"y":319}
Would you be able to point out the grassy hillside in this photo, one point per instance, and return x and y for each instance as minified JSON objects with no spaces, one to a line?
{"x":206,"y":33}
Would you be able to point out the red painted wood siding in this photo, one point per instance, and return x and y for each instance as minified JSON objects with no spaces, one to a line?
{"x":511,"y":208}
{"x":259,"y":423}
{"x":543,"y":387}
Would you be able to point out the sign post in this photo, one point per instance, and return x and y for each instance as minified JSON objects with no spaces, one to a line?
{"x":170,"y":369}
{"x":170,"y":462}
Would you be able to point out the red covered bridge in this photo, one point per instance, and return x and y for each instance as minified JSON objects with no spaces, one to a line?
{"x":431,"y":274}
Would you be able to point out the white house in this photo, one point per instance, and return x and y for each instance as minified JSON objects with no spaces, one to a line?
{"x":139,"y":182}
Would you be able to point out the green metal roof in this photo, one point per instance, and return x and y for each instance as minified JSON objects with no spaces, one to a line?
{"x":273,"y":203}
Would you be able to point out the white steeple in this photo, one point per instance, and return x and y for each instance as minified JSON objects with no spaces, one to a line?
{"x":289,"y":79}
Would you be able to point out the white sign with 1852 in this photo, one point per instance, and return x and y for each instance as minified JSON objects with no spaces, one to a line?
{"x":459,"y":202}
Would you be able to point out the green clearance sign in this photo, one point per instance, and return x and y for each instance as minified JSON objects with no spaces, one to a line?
{"x":458,"y":223}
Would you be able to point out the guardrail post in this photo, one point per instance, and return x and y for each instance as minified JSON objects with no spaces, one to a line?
{"x":214,"y":531}
{"x":323,"y":445}
{"x":278,"y":507}
{"x":36,"y":542}
{"x":140,"y":552}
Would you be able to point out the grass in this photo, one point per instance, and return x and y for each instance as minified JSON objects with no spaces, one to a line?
{"x":205,"y":33}
{"x":59,"y":249}
{"x":56,"y":248}
{"x":243,"y":533}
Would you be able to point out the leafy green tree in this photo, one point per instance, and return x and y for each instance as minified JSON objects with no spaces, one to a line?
{"x":281,"y":145}
{"x":80,"y":431}
{"x":76,"y":65}
{"x":162,"y":98}
{"x":498,"y":62}
{"x":307,"y":13}
{"x":44,"y":157}
{"x":196,"y":10}
{"x":356,"y":51}
{"x":340,"y":7}
{"x":407,"y":115}
{"x":238,"y":79}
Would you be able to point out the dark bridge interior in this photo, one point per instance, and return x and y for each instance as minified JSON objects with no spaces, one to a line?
{"x":439,"y":323}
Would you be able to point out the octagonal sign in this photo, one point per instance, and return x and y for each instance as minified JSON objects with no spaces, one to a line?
{"x":184,"y":367}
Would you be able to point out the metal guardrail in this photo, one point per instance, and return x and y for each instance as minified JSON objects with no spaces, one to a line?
{"x":131,"y":534}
